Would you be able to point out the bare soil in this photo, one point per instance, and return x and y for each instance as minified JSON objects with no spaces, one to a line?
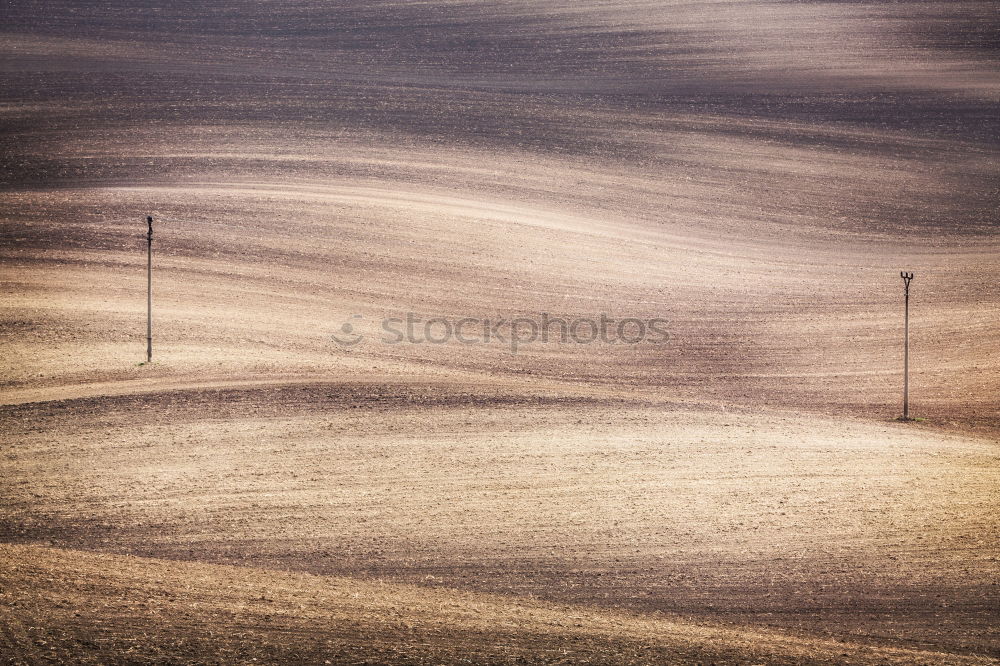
{"x":755,"y":174}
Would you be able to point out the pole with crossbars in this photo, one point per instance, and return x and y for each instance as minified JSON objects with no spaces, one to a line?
{"x":906,"y":344}
{"x":149,"y":290}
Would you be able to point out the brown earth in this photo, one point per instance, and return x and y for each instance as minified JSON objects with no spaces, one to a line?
{"x":754,"y":174}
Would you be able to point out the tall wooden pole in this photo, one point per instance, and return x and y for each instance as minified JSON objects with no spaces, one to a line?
{"x":906,"y":344}
{"x":149,"y":291}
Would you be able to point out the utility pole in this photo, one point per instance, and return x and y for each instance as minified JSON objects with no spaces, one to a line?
{"x":906,"y":344}
{"x":149,"y":291}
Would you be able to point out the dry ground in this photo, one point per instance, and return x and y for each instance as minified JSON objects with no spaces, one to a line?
{"x":754,"y":173}
{"x":94,"y":608}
